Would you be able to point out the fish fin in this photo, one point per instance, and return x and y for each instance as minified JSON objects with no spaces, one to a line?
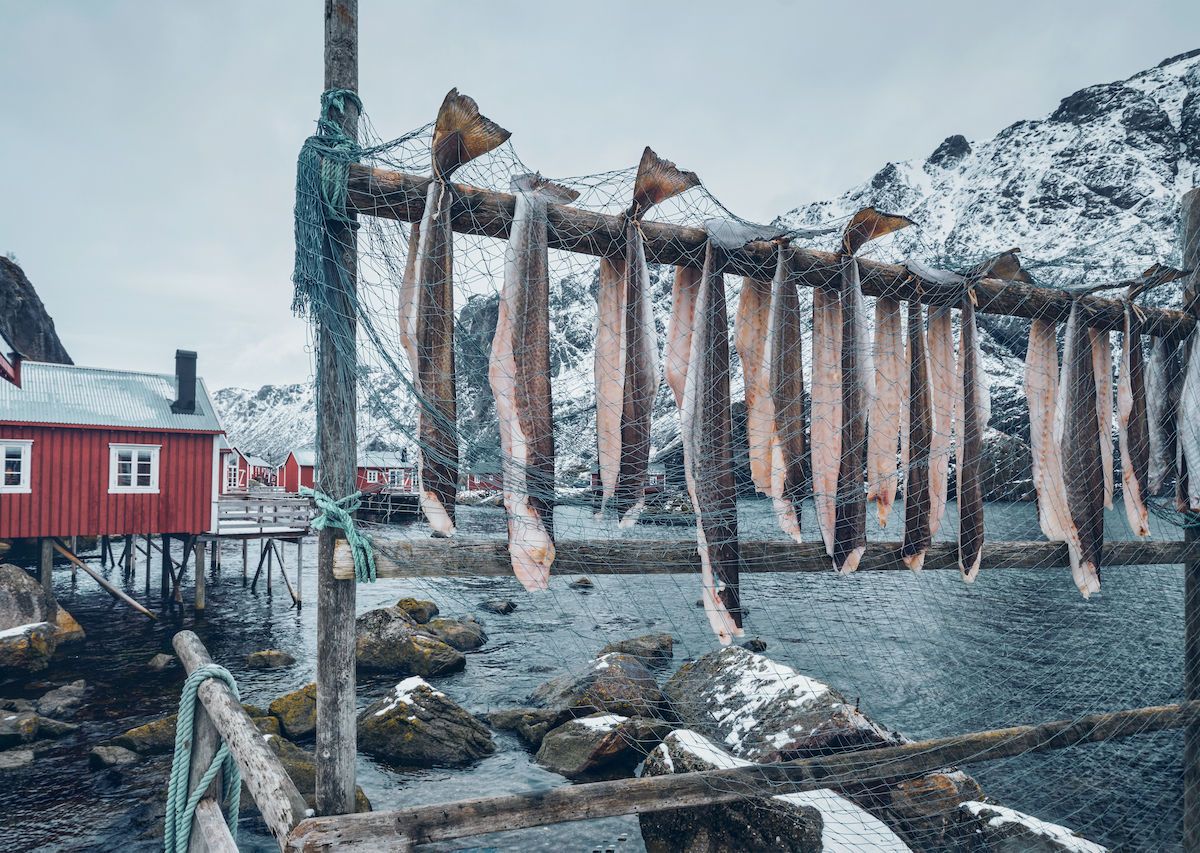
{"x":532,"y":182}
{"x":869,"y":224}
{"x":850,"y":564}
{"x":461,"y":134}
{"x":658,"y":180}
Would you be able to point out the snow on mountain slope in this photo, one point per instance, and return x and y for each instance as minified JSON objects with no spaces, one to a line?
{"x":1090,"y":192}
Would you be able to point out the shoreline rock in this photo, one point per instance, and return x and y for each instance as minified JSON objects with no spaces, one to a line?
{"x":600,"y":746}
{"x":296,"y":712}
{"x":418,"y":726}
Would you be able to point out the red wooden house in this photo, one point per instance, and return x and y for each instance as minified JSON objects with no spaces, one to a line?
{"x":235,"y":470}
{"x":378,"y":471}
{"x":297,"y":470}
{"x":92,"y":452}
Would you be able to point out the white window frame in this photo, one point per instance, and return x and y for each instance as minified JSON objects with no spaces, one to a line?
{"x":24,"y":487}
{"x":114,"y":450}
{"x":395,"y":478}
{"x":372,"y":476}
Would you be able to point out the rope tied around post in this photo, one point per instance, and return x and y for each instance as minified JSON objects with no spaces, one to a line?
{"x":340,"y":514}
{"x":181,"y":806}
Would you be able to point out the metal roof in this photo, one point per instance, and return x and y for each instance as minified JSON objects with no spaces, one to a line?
{"x":307,"y":456}
{"x":89,"y":396}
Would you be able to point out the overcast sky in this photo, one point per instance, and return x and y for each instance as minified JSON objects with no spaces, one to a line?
{"x":147,"y":149}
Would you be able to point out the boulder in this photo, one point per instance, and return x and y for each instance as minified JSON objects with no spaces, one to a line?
{"x":66,"y":629}
{"x":419,"y":610}
{"x":267,"y":725}
{"x":15,"y":759}
{"x":744,"y":825}
{"x":530,"y":724}
{"x":650,"y":649}
{"x":17,"y":728}
{"x":27,"y":647}
{"x":160,"y":662}
{"x":600,"y":746}
{"x":417,"y":726}
{"x":388,"y":641}
{"x":301,"y":766}
{"x":582,"y":583}
{"x":22,"y":599}
{"x":925,"y":810}
{"x":755,"y":644}
{"x":269,"y":659}
{"x":17,"y":705}
{"x":613,"y":683}
{"x":62,"y":700}
{"x":765,"y":711}
{"x":1003,"y":830}
{"x":297,"y":711}
{"x":103,"y":756}
{"x":49,"y":727}
{"x":158,"y":736}
{"x":463,"y":634}
{"x":501,"y":606}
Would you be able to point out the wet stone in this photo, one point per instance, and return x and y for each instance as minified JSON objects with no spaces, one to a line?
{"x":501,"y":606}
{"x":582,"y":583}
{"x":103,"y":756}
{"x":419,"y":610}
{"x":650,"y":649}
{"x":17,"y":727}
{"x":613,"y":683}
{"x":269,"y":659}
{"x":600,"y":746}
{"x":463,"y":634}
{"x":160,"y":662}
{"x":15,"y":759}
{"x":529,"y":724}
{"x":62,"y":700}
{"x":416,"y":725}
{"x":297,"y":711}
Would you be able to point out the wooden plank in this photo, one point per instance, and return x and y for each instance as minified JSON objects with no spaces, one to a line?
{"x":337,"y":450}
{"x":104,"y":584}
{"x":212,"y":828}
{"x":424,"y":824}
{"x":273,"y":791}
{"x":205,"y":743}
{"x":400,"y":196}
{"x":397,"y":557}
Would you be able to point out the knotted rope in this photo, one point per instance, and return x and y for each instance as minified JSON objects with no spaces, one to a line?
{"x":180,"y":806}
{"x":340,"y":514}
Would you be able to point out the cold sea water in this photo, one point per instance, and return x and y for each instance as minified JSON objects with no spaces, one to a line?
{"x":924,"y":654}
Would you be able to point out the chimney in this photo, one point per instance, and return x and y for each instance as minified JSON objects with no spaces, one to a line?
{"x":185,"y":383}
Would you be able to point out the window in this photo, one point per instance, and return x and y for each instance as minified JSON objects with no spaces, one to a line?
{"x":15,"y":456}
{"x":395,"y":477}
{"x":133,"y":468}
{"x":372,"y":476}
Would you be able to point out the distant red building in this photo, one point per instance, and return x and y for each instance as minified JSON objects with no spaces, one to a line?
{"x":378,"y":471}
{"x":297,"y":470}
{"x":93,"y":452}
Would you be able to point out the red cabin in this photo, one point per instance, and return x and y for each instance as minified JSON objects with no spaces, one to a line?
{"x":235,"y":471}
{"x":92,"y":452}
{"x":297,"y":470}
{"x":378,"y":471}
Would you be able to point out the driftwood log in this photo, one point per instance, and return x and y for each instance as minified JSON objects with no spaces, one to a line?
{"x":405,"y":828}
{"x":400,"y":196}
{"x":397,"y":557}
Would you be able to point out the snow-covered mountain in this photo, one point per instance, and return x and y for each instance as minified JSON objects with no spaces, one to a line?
{"x":1090,"y":192}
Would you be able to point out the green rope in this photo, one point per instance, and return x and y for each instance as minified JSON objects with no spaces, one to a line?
{"x":322,"y":173}
{"x":340,"y":514}
{"x":180,"y":806}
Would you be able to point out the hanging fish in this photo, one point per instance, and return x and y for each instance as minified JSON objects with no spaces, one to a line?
{"x":706,"y":429}
{"x":519,"y":374}
{"x":919,"y":424}
{"x":785,"y":368}
{"x":1041,"y":392}
{"x":850,"y":512}
{"x":459,"y":135}
{"x":409,"y":300}
{"x":1077,"y":430}
{"x":623,"y":419}
{"x":679,"y":330}
{"x":1188,"y":425}
{"x":1102,"y":365}
{"x":976,"y":410}
{"x":750,"y":329}
{"x":887,"y":406}
{"x":826,"y":407}
{"x":1164,"y":382}
{"x":943,"y":396}
{"x":1134,"y":426}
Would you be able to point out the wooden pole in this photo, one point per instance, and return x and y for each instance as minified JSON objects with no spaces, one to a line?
{"x":47,"y":567}
{"x":400,"y":196}
{"x":245,"y":557}
{"x":337,"y":738}
{"x":300,"y":572}
{"x":270,"y":552}
{"x":167,"y":574}
{"x":1190,"y":234}
{"x":205,"y":743}
{"x":200,"y":590}
{"x":403,"y":828}
{"x":98,"y":578}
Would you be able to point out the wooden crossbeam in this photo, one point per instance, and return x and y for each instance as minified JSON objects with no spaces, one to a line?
{"x":398,"y":557}
{"x":404,"y":828}
{"x":401,"y":196}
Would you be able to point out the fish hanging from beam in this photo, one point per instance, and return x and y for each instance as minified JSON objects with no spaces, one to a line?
{"x":1102,"y":364}
{"x":1133,"y":424}
{"x":1164,"y":382}
{"x":1077,"y":430}
{"x":626,"y":359}
{"x":976,"y":411}
{"x":519,"y":374}
{"x":918,"y":533}
{"x":1041,"y":392}
{"x":1187,"y":483}
{"x":887,"y":406}
{"x":857,"y":381}
{"x":460,"y":134}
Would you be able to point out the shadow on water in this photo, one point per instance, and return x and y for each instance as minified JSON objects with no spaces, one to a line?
{"x":924,"y":654}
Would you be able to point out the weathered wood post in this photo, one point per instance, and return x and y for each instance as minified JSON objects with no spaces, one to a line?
{"x":337,"y":740}
{"x":205,"y":743}
{"x":300,"y":571}
{"x":200,"y":592}
{"x":165,"y":583}
{"x":245,"y":557}
{"x":46,"y":568}
{"x":1190,"y":233}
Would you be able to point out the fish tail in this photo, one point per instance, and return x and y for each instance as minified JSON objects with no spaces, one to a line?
{"x":916,"y":561}
{"x":534,"y":183}
{"x":869,"y":224}
{"x":461,"y":134}
{"x":658,"y":180}
{"x":789,"y":521}
{"x":1084,"y":572}
{"x":632,"y":514}
{"x":850,"y":562}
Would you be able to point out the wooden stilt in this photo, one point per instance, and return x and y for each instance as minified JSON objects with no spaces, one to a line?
{"x":47,"y":567}
{"x":176,"y":592}
{"x":245,"y":558}
{"x":200,"y":579}
{"x":300,"y":572}
{"x":167,"y":574}
{"x":270,"y":562}
{"x":215,"y":550}
{"x":337,"y":441}
{"x":98,"y":578}
{"x":103,"y":551}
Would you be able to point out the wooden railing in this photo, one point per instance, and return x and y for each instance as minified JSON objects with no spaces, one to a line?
{"x":221,"y":718}
{"x":265,"y":512}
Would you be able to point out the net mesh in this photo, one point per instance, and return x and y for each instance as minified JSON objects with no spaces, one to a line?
{"x":866,"y":659}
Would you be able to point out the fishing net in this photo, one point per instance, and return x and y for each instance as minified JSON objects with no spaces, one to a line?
{"x":852,"y":660}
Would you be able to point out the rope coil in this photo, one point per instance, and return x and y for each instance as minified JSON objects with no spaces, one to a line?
{"x":340,"y":514}
{"x":181,"y":806}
